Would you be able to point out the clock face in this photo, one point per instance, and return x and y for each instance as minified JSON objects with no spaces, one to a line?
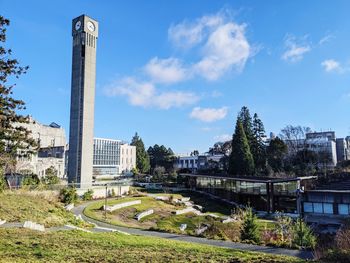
{"x":91,"y":26}
{"x":77,"y":25}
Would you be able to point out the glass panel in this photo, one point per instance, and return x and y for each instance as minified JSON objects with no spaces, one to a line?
{"x":308,"y":208}
{"x":318,"y":208}
{"x":328,"y":208}
{"x":343,"y":209}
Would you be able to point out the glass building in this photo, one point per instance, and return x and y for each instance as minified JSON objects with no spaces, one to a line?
{"x":263,"y":194}
{"x":106,"y":159}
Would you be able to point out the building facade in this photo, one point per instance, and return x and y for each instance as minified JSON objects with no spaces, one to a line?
{"x":263,"y":194}
{"x":51,"y":153}
{"x":112,"y":158}
{"x":325,"y":143}
{"x":343,"y":149}
{"x":127,"y":158}
{"x":106,"y":158}
{"x":80,"y":159}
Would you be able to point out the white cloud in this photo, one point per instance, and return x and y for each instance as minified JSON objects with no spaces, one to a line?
{"x":146,"y":95}
{"x":331,"y":65}
{"x":295,"y":49}
{"x":209,"y":114}
{"x":166,"y":71}
{"x":223,"y":137}
{"x":224,"y":45}
{"x":187,"y":34}
{"x":226,"y":48}
{"x":325,"y":39}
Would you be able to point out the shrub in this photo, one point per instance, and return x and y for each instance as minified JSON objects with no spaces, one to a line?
{"x":303,"y":236}
{"x":284,"y":231}
{"x":250,"y":227}
{"x":30,"y":180}
{"x":342,"y":238}
{"x":69,"y":195}
{"x":88,"y":195}
{"x":113,"y":193}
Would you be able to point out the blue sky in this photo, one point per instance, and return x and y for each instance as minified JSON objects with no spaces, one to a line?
{"x":177,"y":72}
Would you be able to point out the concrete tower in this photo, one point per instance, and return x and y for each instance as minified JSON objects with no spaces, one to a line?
{"x":80,"y":158}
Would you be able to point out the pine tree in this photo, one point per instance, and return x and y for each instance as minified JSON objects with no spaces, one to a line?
{"x":241,"y":159}
{"x":247,"y":123}
{"x":142,"y":158}
{"x":258,"y":147}
{"x":250,"y":229}
{"x":15,"y":140}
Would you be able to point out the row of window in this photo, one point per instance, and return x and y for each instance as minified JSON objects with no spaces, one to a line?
{"x":325,"y":208}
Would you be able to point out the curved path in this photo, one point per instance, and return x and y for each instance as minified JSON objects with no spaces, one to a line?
{"x":103,"y":227}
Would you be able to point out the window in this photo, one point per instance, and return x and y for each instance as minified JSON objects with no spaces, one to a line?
{"x":343,"y":209}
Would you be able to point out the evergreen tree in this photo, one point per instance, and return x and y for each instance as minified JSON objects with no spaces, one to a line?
{"x":275,"y":154}
{"x":258,"y":147}
{"x":241,"y":160}
{"x":161,"y":156}
{"x":142,"y":158}
{"x":247,"y":123}
{"x":250,"y":228}
{"x":15,"y":140}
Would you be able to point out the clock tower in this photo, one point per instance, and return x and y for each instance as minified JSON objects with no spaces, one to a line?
{"x":81,"y":131}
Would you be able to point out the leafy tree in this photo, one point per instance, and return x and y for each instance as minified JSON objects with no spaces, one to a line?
{"x":159,"y":174}
{"x":51,"y":177}
{"x":241,"y":160}
{"x":15,"y":140}
{"x":276,"y":152}
{"x":161,"y":156}
{"x":69,"y":195}
{"x":142,"y":158}
{"x":88,"y":195}
{"x":250,"y":228}
{"x":258,"y":147}
{"x":295,"y":137}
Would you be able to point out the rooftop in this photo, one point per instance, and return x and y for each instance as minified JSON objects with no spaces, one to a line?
{"x":254,"y":178}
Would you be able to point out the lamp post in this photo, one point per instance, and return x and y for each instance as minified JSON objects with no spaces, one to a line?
{"x":299,"y":192}
{"x":106,"y":203}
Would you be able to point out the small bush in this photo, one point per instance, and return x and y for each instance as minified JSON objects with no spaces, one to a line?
{"x":113,"y":193}
{"x":250,"y":228}
{"x":69,"y":195}
{"x":342,"y":239}
{"x":30,"y":180}
{"x":303,"y":235}
{"x":88,"y":195}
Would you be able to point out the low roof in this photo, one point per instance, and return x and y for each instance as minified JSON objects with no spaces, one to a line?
{"x":254,"y":178}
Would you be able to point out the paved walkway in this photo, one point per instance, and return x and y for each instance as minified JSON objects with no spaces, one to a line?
{"x":106,"y":227}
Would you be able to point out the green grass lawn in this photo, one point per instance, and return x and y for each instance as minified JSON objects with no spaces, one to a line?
{"x":20,"y":245}
{"x":40,"y":207}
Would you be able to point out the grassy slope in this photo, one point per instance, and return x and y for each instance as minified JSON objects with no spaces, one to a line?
{"x":40,"y":207}
{"x":20,"y":245}
{"x":167,"y":222}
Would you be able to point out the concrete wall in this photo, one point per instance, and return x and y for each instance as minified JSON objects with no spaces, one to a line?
{"x":100,"y":191}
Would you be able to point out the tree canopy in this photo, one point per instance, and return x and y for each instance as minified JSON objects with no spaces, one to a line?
{"x":15,"y":139}
{"x":241,"y":159}
{"x":142,"y":158}
{"x":161,"y":156}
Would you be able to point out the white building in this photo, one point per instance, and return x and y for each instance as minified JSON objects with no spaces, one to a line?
{"x":319,"y":142}
{"x":127,"y":158}
{"x":112,"y":157}
{"x":187,"y":162}
{"x":52,"y":150}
